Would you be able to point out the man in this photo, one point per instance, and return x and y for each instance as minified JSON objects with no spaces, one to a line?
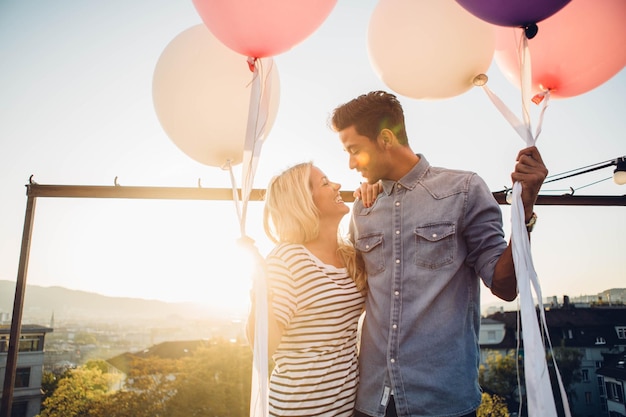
{"x":427,"y":240}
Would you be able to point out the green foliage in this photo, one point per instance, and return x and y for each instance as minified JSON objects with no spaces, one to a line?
{"x":84,"y":338}
{"x":148,"y":387}
{"x":492,"y":406}
{"x":499,"y":374}
{"x":568,"y":360}
{"x":76,"y":393}
{"x":100,"y":364}
{"x":49,"y":383}
{"x":128,"y":404}
{"x":214,"y":381}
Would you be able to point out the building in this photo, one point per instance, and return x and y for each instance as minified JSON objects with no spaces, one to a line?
{"x":612,"y":375}
{"x":598,"y":333}
{"x":29,"y":370}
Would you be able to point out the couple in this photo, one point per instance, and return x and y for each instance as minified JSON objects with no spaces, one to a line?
{"x":421,"y":239}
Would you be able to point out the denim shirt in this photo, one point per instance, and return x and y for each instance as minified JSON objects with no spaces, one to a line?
{"x":425,"y":242}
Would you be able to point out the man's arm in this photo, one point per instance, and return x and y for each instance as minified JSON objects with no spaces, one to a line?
{"x":530,"y":172}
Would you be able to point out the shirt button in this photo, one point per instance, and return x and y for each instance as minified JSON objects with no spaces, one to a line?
{"x":396,"y":293}
{"x":434,"y":234}
{"x":397,"y":232}
{"x":367,"y":246}
{"x":397,"y":203}
{"x":395,"y":326}
{"x":397,"y":261}
{"x":392,"y":360}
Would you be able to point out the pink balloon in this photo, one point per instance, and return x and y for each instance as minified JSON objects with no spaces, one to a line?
{"x":577,"y":49}
{"x":263,"y":28}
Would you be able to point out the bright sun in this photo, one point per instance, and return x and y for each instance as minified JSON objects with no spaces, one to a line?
{"x":173,"y":251}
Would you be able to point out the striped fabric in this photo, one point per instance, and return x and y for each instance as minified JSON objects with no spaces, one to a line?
{"x":316,"y":371}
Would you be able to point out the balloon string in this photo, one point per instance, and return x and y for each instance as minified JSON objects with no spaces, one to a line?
{"x":255,"y":135}
{"x":538,"y":385}
{"x":522,"y":127}
{"x":228,"y":166}
{"x":526,"y":84}
{"x":259,"y":396}
{"x":256,"y":129}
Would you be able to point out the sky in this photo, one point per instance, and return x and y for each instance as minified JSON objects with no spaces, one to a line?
{"x":76,"y":108}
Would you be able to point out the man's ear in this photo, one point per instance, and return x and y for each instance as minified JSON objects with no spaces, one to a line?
{"x":386,"y":138}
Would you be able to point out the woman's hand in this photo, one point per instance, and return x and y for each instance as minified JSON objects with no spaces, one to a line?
{"x":368,"y":193}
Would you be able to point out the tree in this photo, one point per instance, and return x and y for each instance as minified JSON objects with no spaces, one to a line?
{"x":568,"y":360}
{"x":499,"y":374}
{"x":214,"y":381}
{"x":147,"y":389}
{"x":492,"y":406}
{"x":49,"y":383}
{"x":97,"y":364}
{"x":76,"y":393}
{"x":127,"y":404}
{"x":84,"y":338}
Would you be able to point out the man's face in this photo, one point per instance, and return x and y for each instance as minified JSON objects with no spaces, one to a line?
{"x":366,"y":156}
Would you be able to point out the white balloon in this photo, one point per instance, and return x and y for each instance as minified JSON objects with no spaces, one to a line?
{"x":428,"y":49}
{"x":201,"y":94}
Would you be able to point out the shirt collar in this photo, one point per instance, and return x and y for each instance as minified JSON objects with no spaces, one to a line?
{"x":411,"y":179}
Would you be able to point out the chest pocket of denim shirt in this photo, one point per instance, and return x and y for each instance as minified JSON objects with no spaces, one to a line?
{"x":435,"y":245}
{"x":371,"y":247}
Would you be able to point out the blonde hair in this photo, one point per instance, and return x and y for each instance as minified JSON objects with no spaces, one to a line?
{"x":290,"y":215}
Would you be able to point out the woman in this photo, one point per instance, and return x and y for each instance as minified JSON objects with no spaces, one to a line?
{"x":316,"y":289}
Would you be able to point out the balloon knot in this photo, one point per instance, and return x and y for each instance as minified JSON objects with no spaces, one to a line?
{"x":538,"y":98}
{"x":251,"y":63}
{"x":480,"y":80}
{"x":531,"y":30}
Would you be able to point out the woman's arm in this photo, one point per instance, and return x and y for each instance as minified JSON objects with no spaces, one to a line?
{"x":274,"y":328}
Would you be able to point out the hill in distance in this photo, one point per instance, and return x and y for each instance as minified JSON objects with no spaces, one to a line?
{"x":40,"y":303}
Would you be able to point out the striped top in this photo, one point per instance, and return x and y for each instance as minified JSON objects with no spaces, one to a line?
{"x":316,"y":367}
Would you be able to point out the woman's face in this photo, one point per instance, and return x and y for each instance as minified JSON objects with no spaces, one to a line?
{"x":326,"y":195}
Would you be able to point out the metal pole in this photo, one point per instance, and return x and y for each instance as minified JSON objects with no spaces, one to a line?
{"x":18,"y":307}
{"x":571,"y":200}
{"x":174,"y":193}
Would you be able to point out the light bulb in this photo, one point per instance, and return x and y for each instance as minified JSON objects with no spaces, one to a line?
{"x":619,"y":177}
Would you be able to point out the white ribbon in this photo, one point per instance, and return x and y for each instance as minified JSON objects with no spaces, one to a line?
{"x":258,"y":111}
{"x":259,"y":389}
{"x":255,"y":136}
{"x":257,"y":125}
{"x":538,"y":386}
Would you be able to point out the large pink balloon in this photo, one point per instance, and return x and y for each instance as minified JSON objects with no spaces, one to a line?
{"x":201,"y":94}
{"x":263,"y":28}
{"x":428,"y":49}
{"x":577,"y":49}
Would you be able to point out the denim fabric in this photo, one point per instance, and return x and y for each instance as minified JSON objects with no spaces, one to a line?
{"x":425,"y":242}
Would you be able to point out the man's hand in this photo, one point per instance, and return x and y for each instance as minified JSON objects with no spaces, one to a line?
{"x":530,"y":172}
